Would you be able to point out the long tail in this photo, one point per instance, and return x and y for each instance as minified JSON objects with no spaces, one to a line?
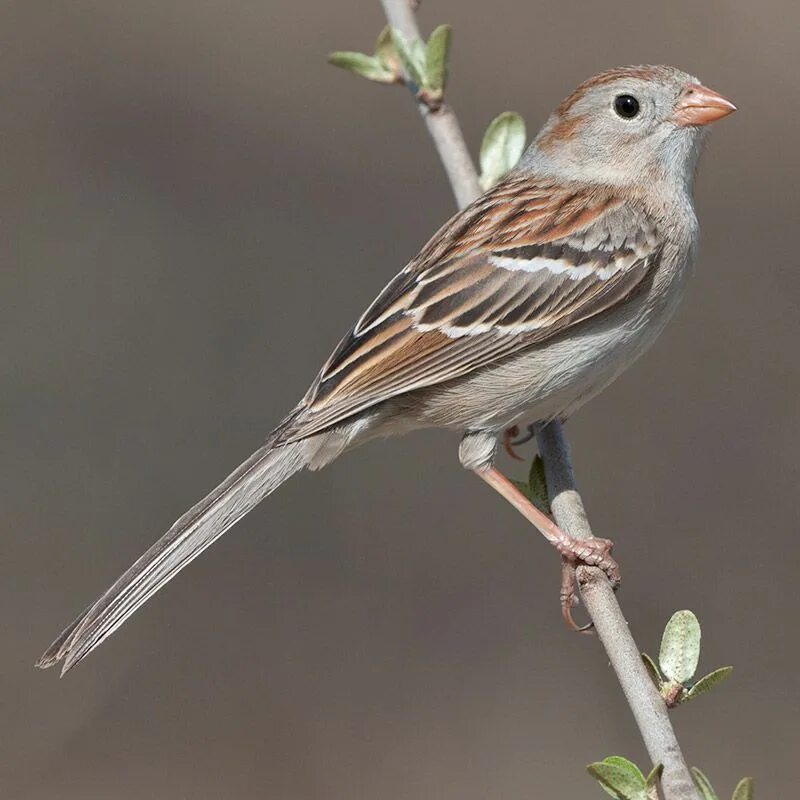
{"x":198,"y":528}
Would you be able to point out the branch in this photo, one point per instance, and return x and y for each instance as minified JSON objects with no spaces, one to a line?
{"x":648,"y":708}
{"x":441,"y":122}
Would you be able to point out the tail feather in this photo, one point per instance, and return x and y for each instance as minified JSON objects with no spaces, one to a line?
{"x":198,"y":528}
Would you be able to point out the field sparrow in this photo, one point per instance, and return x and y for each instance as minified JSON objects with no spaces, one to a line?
{"x":522,"y":307}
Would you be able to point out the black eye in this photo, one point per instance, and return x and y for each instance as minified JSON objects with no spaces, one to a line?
{"x":626,"y":105}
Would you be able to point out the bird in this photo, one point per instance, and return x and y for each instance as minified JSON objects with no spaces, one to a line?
{"x":522,"y":307}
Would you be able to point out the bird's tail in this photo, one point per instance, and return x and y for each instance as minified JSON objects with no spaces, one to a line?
{"x":198,"y":528}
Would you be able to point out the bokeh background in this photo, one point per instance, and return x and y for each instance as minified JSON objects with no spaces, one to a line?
{"x":195,"y":208}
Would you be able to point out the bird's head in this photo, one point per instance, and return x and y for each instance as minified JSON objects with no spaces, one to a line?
{"x":628,"y":126}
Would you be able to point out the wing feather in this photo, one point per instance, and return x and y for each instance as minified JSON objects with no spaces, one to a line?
{"x":520,"y":265}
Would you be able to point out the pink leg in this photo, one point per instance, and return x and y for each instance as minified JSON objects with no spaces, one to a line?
{"x":593,"y":552}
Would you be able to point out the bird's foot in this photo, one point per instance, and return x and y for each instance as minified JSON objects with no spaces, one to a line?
{"x":594,"y":552}
{"x":512,"y":439}
{"x":570,"y":598}
{"x":591,"y":552}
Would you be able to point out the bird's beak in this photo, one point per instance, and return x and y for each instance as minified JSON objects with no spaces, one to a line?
{"x":698,"y":105}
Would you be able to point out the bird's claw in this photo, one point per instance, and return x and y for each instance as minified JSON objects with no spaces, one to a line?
{"x":594,"y":552}
{"x":569,"y":596}
{"x":510,"y":440}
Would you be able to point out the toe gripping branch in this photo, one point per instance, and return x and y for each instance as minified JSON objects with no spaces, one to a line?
{"x":591,"y":552}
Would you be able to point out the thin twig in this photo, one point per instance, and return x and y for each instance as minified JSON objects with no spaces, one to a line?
{"x":442,"y":123}
{"x":647,"y":706}
{"x":649,"y":710}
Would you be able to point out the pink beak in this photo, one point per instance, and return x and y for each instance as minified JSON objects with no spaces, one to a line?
{"x":698,"y":105}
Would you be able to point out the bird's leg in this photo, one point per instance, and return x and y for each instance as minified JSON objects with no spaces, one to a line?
{"x":593,"y":552}
{"x":510,"y":440}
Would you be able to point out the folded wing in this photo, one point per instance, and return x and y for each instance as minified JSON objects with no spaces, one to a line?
{"x":519,"y":266}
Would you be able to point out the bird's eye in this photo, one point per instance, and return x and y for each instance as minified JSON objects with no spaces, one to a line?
{"x":626,"y":105}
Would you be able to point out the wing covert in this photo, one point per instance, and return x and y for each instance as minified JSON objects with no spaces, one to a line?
{"x":521,"y":264}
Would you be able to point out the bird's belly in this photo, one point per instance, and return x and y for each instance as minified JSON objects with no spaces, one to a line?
{"x":564,"y":375}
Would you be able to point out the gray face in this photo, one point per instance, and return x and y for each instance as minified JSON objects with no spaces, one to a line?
{"x":620,"y":129}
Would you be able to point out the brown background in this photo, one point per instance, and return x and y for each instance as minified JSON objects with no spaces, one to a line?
{"x":196,"y":207}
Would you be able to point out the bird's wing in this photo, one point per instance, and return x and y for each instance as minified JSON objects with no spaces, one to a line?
{"x":521,"y":264}
{"x":524,"y":262}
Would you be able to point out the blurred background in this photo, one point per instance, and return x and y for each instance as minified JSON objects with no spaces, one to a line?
{"x":196,"y":207}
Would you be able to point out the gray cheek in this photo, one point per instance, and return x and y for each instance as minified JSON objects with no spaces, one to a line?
{"x":602,"y":141}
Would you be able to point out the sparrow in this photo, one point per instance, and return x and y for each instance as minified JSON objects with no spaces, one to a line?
{"x":524,"y":306}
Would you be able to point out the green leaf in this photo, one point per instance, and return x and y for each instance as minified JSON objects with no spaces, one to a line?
{"x":360,"y":63}
{"x":708,"y":682}
{"x":436,"y":56}
{"x":652,"y":670}
{"x":502,"y":146}
{"x":680,"y":647}
{"x":621,"y":778}
{"x":412,"y":56}
{"x":653,"y":781}
{"x":385,"y":52}
{"x":418,"y":54}
{"x":538,"y":486}
{"x":704,"y":785}
{"x":744,"y":790}
{"x":627,"y":765}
